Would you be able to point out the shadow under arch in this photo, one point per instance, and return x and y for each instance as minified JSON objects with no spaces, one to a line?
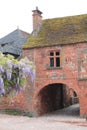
{"x":55,"y":96}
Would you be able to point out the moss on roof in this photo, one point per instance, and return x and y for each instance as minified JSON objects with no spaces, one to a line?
{"x":65,"y":30}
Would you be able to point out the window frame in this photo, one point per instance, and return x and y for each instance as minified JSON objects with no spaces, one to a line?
{"x":55,"y":56}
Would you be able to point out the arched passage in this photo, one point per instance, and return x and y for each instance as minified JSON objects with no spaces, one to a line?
{"x":55,"y":96}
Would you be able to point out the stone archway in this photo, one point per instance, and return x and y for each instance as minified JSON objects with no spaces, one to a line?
{"x":73,"y":96}
{"x":53,"y":97}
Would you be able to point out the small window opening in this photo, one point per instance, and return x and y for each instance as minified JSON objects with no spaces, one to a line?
{"x":51,"y":62}
{"x":58,"y":62}
{"x":51,"y":53}
{"x":57,"y":53}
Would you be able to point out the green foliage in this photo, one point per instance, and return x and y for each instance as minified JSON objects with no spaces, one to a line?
{"x":16,"y":112}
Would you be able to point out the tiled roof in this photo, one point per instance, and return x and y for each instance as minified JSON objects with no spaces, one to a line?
{"x":65,"y":30}
{"x":12,"y":43}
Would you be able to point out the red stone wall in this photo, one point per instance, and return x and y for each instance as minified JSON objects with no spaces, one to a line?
{"x":72,"y":73}
{"x":16,"y":102}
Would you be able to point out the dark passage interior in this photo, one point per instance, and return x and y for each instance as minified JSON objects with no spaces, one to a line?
{"x":54,"y":97}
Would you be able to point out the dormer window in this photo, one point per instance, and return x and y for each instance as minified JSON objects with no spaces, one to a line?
{"x":54,"y":57}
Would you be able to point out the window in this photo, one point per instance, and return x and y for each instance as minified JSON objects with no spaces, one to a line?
{"x":54,"y":57}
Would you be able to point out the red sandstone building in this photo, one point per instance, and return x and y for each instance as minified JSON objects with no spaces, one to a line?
{"x":58,"y":48}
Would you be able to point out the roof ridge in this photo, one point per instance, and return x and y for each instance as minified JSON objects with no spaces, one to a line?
{"x":62,"y":17}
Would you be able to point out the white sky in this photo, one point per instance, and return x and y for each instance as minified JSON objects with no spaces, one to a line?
{"x":18,"y":13}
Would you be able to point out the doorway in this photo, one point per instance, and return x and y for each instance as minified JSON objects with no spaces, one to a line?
{"x":53,"y":97}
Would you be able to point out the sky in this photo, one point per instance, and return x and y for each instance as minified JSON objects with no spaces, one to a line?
{"x":18,"y":13}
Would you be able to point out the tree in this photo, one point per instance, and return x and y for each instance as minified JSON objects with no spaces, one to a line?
{"x":13,"y":74}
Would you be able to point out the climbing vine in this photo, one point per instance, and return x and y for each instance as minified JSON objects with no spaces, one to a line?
{"x":13,"y":74}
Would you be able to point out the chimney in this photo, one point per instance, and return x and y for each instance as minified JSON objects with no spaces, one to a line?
{"x":37,"y":21}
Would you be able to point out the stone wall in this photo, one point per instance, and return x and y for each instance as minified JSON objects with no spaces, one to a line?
{"x":72,"y":72}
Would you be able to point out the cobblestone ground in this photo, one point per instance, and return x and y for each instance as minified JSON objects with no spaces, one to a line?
{"x":66,"y":119}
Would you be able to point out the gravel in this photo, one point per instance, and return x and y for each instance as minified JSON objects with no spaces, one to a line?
{"x":58,"y":120}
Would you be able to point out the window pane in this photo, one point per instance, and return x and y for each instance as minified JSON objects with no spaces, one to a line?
{"x":58,"y":62}
{"x":57,"y":53}
{"x":51,"y":53}
{"x":51,"y":62}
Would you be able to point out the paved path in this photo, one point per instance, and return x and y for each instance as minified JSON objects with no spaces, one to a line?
{"x":54,"y":121}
